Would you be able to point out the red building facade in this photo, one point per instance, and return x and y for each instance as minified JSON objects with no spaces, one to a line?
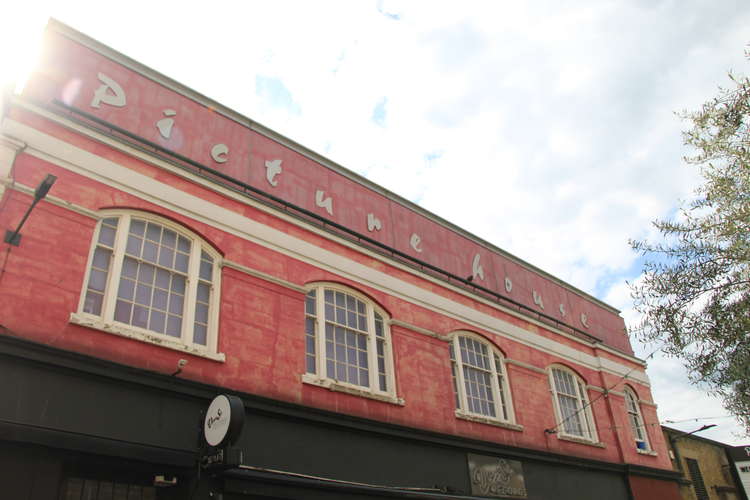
{"x":379,"y":350}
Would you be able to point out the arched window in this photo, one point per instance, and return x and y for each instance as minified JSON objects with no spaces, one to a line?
{"x":480,"y":384}
{"x":348,"y":340}
{"x":151,"y":277}
{"x":636,"y":419}
{"x":571,"y":402}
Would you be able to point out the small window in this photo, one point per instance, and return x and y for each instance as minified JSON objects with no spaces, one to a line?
{"x":636,"y":420}
{"x":571,"y":402}
{"x":347,"y":340}
{"x":480,"y":385}
{"x":149,"y":275}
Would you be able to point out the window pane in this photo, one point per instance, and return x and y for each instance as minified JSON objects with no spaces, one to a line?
{"x":129,"y":267}
{"x":149,"y":251}
{"x":137,"y":227}
{"x":160,"y":300}
{"x":126,"y":290}
{"x":310,"y":303}
{"x":169,"y":238}
{"x":183,"y":245}
{"x":162,"y":279}
{"x":133,"y":246}
{"x":146,"y":274}
{"x":93,"y":302}
{"x":206,"y":268}
{"x":166,"y":257}
{"x":200,"y":334}
{"x":153,"y":232}
{"x":178,"y":284}
{"x":101,"y":258}
{"x":174,"y":326}
{"x":175,"y":304}
{"x":181,"y":262}
{"x":310,"y":364}
{"x":143,"y":294}
{"x":310,"y":344}
{"x":157,"y":321}
{"x":204,"y":291}
{"x":201,"y":313}
{"x":107,"y":235}
{"x":122,"y":311}
{"x":97,"y":280}
{"x":140,"y":316}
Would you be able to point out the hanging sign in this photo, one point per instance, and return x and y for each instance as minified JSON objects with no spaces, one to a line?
{"x":224,"y":420}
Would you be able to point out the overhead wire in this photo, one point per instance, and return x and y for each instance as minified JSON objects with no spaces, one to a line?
{"x":553,"y":430}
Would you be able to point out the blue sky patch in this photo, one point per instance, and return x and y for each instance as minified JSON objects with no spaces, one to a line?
{"x":274,"y":92}
{"x":378,"y":114}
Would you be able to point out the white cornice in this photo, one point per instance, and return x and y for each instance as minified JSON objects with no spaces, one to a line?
{"x":227,"y":112}
{"x":116,"y":176}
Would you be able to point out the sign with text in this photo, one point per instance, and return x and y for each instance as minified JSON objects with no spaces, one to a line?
{"x":496,"y":477}
{"x":79,"y":74}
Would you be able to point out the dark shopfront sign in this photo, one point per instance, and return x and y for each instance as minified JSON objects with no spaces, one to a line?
{"x":496,"y":477}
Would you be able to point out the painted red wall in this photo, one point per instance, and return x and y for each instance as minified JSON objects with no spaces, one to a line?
{"x":645,"y":488}
{"x":261,"y":323}
{"x":69,"y":72}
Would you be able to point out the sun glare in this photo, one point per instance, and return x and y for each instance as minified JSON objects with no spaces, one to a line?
{"x":20,"y":44}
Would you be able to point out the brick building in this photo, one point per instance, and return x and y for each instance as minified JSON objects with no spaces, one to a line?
{"x":705,"y":465}
{"x":185,"y":251}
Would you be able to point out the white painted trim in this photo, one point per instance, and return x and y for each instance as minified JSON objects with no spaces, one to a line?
{"x":647,"y":452}
{"x":162,"y":163}
{"x":423,"y":331}
{"x":173,"y":199}
{"x":576,"y":439}
{"x":486,"y":420}
{"x":304,"y":151}
{"x":596,"y":388}
{"x":527,"y":366}
{"x":336,"y":386}
{"x":265,"y":277}
{"x":54,"y":200}
{"x":95,"y":322}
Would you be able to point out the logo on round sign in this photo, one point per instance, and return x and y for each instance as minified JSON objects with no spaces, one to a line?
{"x":216,"y":424}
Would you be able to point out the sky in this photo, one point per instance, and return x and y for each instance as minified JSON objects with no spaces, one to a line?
{"x":546,"y":128}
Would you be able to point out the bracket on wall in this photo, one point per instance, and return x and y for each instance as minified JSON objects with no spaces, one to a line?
{"x":14,"y":237}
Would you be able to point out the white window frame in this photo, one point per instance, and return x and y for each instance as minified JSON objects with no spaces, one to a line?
{"x":459,"y":389}
{"x":584,"y":413}
{"x":106,"y":322}
{"x":323,"y":379}
{"x":633,"y":411}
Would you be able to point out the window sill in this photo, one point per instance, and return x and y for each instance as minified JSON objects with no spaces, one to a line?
{"x":90,"y":321}
{"x":335,"y":386}
{"x":487,"y":420}
{"x":580,"y":440}
{"x":647,"y":452}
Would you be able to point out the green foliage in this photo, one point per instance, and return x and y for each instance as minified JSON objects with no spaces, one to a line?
{"x":695,"y":294}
